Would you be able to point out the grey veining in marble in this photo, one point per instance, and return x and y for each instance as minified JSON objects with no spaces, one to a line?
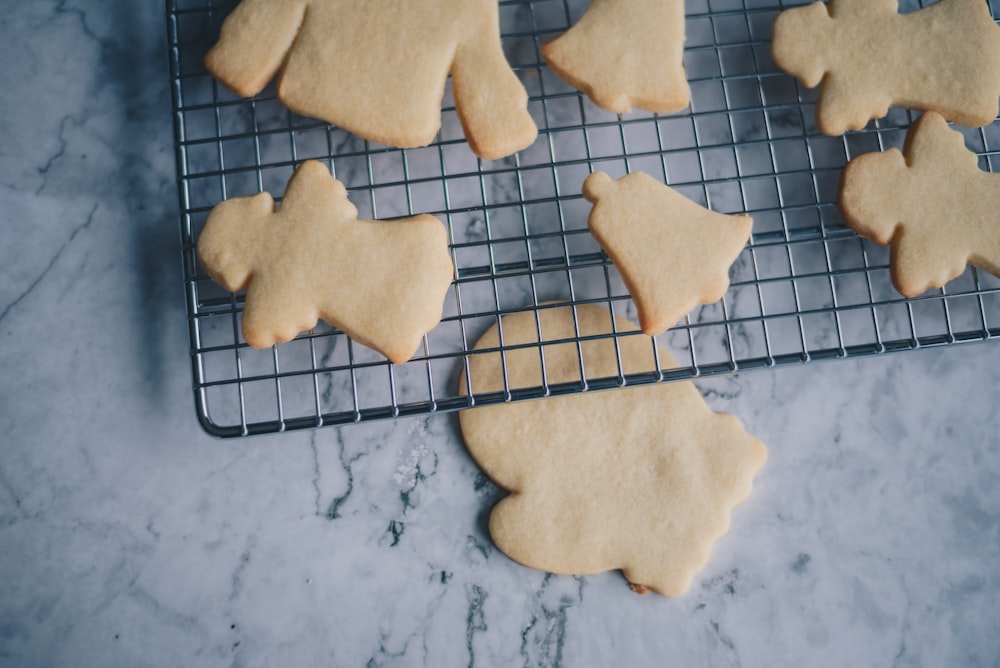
{"x":128,"y":537}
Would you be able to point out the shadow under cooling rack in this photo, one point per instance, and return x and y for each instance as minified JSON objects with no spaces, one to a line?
{"x":805,"y":288}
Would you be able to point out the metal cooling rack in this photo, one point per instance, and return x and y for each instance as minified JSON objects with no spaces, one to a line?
{"x":806,"y":287}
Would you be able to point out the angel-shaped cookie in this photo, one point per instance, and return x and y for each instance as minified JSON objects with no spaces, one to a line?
{"x":378,"y":67}
{"x":931,"y":202}
{"x":624,"y":54}
{"x":642,"y":478}
{"x":383,"y":283}
{"x":867,"y":56}
{"x":672,"y":253}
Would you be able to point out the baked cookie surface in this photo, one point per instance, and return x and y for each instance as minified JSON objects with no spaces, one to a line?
{"x":625,"y":54}
{"x":378,"y":68}
{"x":642,"y":479}
{"x":930,"y":202}
{"x":382,"y":282}
{"x":867,"y":57}
{"x":672,"y":253}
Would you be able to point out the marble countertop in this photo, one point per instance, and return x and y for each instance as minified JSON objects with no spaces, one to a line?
{"x":129,"y":537}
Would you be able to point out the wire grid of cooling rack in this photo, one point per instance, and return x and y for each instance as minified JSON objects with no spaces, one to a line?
{"x":805,"y":288}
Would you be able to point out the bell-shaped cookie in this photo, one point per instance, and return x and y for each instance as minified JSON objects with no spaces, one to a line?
{"x":672,"y":253}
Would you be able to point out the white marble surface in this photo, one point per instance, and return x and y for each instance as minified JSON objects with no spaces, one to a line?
{"x":128,"y":537}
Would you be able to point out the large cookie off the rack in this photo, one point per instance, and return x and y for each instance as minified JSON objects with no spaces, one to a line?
{"x":672,"y":253}
{"x":931,"y":202}
{"x":378,"y":68}
{"x":382,"y":282}
{"x":624,"y":54}
{"x":867,"y":56}
{"x":639,"y":478}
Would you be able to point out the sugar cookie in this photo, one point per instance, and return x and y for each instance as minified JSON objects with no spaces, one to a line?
{"x":672,"y":253}
{"x":641,"y":478}
{"x":624,"y":54}
{"x":945,"y":58}
{"x":931,"y":202}
{"x":378,"y":67}
{"x":383,"y":283}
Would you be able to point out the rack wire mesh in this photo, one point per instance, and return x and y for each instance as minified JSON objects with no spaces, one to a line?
{"x":805,"y":288}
